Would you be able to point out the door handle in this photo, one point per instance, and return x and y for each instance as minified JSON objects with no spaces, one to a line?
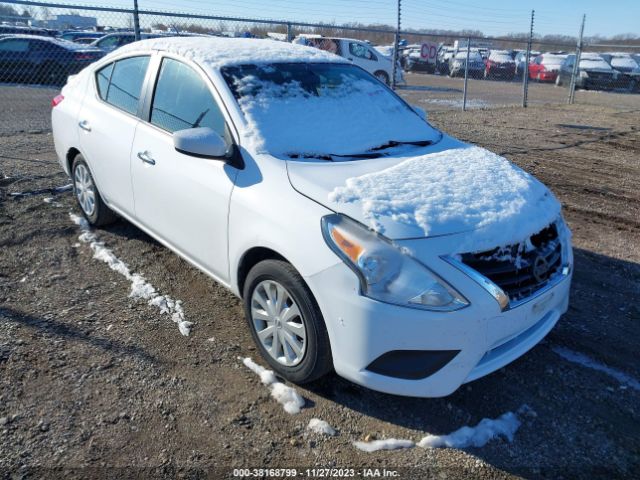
{"x":146,"y":158}
{"x":85,"y":126}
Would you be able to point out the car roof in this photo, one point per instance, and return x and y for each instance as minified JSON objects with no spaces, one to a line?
{"x":217,"y":52}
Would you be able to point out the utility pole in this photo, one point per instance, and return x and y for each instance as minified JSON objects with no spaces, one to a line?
{"x":525,"y":74}
{"x":136,"y":20}
{"x":396,"y":45}
{"x":466,"y":76}
{"x":574,"y":73}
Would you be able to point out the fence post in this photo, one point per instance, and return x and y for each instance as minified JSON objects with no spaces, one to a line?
{"x":136,"y":20}
{"x":289,"y":33}
{"x":525,"y":77}
{"x":396,"y":44}
{"x":574,"y":73}
{"x":466,"y":76}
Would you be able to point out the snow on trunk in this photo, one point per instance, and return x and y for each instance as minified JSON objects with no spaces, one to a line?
{"x":285,"y":395}
{"x":140,"y":288}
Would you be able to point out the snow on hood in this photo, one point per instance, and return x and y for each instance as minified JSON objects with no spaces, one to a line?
{"x":459,"y":189}
{"x":217,"y":52}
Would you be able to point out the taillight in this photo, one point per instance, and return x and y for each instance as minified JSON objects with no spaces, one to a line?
{"x":84,"y":56}
{"x":56,"y":100}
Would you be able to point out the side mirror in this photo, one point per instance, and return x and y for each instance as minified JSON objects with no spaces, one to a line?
{"x":200,"y":142}
{"x":420,"y":111}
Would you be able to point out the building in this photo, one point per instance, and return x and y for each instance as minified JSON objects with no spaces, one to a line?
{"x":65,"y":22}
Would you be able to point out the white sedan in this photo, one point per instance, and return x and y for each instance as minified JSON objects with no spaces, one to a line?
{"x":359,"y":237}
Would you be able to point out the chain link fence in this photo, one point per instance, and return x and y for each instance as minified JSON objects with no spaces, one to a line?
{"x":42,"y":43}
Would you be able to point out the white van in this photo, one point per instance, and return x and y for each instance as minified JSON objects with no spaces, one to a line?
{"x":359,"y":52}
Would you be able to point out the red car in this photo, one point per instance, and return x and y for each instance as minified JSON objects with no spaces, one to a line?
{"x":545,"y":67}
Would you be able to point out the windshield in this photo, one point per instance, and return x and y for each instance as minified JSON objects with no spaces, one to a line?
{"x":623,"y":61}
{"x":553,"y":59}
{"x":473,"y":56}
{"x":594,"y":62}
{"x":300,"y":109}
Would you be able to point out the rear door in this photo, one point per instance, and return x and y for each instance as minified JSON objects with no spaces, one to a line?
{"x":107,"y":124}
{"x":183,"y":199}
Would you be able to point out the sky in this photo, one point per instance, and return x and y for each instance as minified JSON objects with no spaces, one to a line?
{"x":492,"y":17}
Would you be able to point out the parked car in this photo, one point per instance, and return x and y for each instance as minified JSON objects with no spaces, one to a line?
{"x":545,"y":67}
{"x":35,"y":59}
{"x":414,"y":60}
{"x":500,"y":64}
{"x":357,"y":51}
{"x":594,"y":73}
{"x":521,"y":59}
{"x":73,"y":36}
{"x":259,"y":161}
{"x":458,"y":62}
{"x":20,"y":30}
{"x":622,"y":62}
{"x":445,"y":54}
{"x":111,"y":41}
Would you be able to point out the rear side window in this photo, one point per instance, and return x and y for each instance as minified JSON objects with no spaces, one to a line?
{"x":14,"y":46}
{"x":102,"y":79}
{"x":182,"y":100}
{"x":125,"y":83}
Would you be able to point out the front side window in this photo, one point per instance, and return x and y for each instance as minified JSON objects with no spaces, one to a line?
{"x":126,"y":83}
{"x":360,"y":51}
{"x":109,"y":42}
{"x":182,"y":100}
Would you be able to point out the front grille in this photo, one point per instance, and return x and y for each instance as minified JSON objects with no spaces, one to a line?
{"x":521,"y":269}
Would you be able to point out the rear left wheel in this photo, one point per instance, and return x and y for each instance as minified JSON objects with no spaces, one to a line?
{"x":382,"y":76}
{"x":87,"y":195}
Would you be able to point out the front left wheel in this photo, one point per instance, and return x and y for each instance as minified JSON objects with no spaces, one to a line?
{"x":87,"y":195}
{"x":285,"y":322}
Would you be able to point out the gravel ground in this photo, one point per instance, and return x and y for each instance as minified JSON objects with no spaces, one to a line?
{"x":93,"y":383}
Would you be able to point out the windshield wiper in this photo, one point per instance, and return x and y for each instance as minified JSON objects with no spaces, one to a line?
{"x":395,"y":143}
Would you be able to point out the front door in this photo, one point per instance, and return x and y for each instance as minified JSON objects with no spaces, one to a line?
{"x":183,"y":199}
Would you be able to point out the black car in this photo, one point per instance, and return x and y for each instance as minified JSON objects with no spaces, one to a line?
{"x":112,"y":41}
{"x":35,"y":59}
{"x":594,"y":73}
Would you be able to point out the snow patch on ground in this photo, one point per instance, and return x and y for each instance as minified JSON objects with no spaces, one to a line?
{"x":588,"y":362}
{"x":455,"y":190}
{"x":287,"y":396}
{"x":140,"y":288}
{"x":388,"y":444}
{"x":457,"y":103}
{"x":321,"y":427}
{"x":51,"y":201}
{"x":504,"y":426}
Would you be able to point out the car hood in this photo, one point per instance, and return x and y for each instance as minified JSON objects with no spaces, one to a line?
{"x":449,"y":188}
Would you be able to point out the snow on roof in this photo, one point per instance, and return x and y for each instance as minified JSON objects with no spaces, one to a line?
{"x":217,"y":52}
{"x":455,"y":190}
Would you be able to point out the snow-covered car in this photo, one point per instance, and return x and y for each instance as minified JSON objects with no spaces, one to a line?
{"x":360,"y":53}
{"x":594,"y":73}
{"x":545,"y":67}
{"x":626,"y":64}
{"x":521,"y":59}
{"x":458,"y":62}
{"x":500,"y":64}
{"x":358,"y":236}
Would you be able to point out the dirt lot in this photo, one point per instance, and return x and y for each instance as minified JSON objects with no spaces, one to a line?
{"x":99,"y":384}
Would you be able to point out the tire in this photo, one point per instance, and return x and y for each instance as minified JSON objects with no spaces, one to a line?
{"x":315,"y":359}
{"x":382,"y":76}
{"x":87,"y":195}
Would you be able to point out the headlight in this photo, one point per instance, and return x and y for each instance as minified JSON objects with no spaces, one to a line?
{"x":387,"y":273}
{"x":583,"y":74}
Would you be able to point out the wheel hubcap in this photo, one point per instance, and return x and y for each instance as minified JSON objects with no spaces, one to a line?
{"x":278,"y":322}
{"x":85,"y":190}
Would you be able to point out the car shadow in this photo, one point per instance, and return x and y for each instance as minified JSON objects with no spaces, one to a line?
{"x":69,"y":332}
{"x":536,"y":387}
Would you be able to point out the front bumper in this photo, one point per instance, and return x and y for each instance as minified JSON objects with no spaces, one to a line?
{"x":361,"y":330}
